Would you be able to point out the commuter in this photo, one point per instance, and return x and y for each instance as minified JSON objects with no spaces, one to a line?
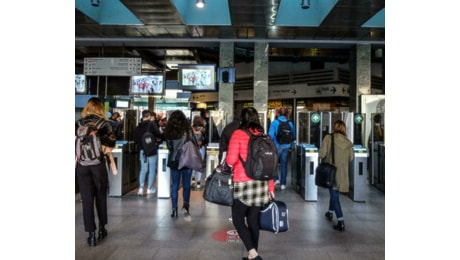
{"x":199,"y":131}
{"x":117,"y":125}
{"x":225,"y":139}
{"x":281,"y":145}
{"x":343,"y":154}
{"x":208,"y":121}
{"x":249,"y":194}
{"x":226,"y":134}
{"x":93,"y":179}
{"x":177,"y":132}
{"x":148,"y":158}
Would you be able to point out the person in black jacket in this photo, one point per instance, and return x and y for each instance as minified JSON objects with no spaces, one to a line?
{"x":93,"y":179}
{"x":147,"y":161}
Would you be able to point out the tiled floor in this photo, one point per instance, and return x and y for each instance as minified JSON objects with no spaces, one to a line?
{"x":141,"y":228}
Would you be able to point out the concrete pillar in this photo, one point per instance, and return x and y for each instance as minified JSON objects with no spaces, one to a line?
{"x":261,"y":76}
{"x":360,"y":74}
{"x":226,"y":59}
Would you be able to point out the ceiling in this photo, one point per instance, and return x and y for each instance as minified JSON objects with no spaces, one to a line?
{"x":168,"y":32}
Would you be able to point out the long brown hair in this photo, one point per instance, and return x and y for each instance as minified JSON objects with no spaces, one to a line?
{"x":95,"y":106}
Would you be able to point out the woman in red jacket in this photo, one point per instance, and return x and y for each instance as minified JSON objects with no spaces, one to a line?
{"x":249,"y":194}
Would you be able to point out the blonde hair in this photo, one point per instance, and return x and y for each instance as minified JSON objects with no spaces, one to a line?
{"x":95,"y":106}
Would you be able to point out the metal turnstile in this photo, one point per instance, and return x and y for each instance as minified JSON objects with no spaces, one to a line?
{"x":164,"y":176}
{"x":212,"y":157}
{"x":121,"y":183}
{"x":116,"y":181}
{"x":380,"y":184}
{"x":358,"y":174}
{"x":308,"y":163}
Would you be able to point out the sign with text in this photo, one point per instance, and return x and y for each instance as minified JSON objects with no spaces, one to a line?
{"x":112,"y":66}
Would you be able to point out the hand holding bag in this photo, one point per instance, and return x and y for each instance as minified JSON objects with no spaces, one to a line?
{"x":218,"y":187}
{"x":325,"y":172}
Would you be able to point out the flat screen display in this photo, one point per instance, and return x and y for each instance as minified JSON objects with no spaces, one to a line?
{"x":147,"y":85}
{"x":80,"y":84}
{"x":198,"y":77}
{"x":122,"y":103}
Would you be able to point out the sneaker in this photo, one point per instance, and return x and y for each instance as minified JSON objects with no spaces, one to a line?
{"x":277,"y":182}
{"x":151,"y":191}
{"x":198,"y":185}
{"x":283,"y":187}
{"x":140,"y":192}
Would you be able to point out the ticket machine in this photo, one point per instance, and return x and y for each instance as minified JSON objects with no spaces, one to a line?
{"x":308,"y":161}
{"x":358,"y":174}
{"x":164,"y":176}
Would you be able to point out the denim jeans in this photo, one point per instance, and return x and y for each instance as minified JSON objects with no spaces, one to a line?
{"x":334,"y":203}
{"x":149,"y":163}
{"x":283,"y":152}
{"x":186,"y":174}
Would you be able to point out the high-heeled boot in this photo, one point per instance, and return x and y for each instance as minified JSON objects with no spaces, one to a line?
{"x":102,"y":232}
{"x":174,"y":213}
{"x":185,"y":209}
{"x":340,"y":226}
{"x":91,"y":239}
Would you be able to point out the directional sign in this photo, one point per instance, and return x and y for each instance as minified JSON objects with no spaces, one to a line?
{"x":112,"y":66}
{"x":315,"y":118}
{"x":358,"y":118}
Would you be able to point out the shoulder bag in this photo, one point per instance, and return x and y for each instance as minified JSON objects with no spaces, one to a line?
{"x":190,"y":155}
{"x":325,"y":172}
{"x":218,"y":188}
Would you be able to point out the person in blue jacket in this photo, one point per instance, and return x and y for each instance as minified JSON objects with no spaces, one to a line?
{"x":283,"y":144}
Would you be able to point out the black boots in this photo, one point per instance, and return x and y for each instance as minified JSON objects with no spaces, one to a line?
{"x":340,"y":226}
{"x":91,"y":239}
{"x":102,"y":233}
{"x":328,"y":216}
{"x":185,"y":209}
{"x":174,"y":213}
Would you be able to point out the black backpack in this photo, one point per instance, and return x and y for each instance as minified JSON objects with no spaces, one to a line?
{"x":149,"y":144}
{"x":284,"y":133}
{"x":262,"y":161}
{"x":88,"y":148}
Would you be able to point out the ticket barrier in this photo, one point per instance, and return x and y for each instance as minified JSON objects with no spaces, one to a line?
{"x":212,"y":157}
{"x":164,"y":175}
{"x":358,"y":174}
{"x":116,"y":181}
{"x":308,"y":163}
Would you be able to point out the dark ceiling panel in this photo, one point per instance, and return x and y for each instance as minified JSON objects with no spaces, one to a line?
{"x":251,"y":20}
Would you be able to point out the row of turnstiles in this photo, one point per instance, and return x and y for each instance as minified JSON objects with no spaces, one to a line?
{"x":304,"y":160}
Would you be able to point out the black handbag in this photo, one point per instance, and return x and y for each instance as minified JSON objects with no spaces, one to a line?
{"x":218,"y":187}
{"x":325,"y":172}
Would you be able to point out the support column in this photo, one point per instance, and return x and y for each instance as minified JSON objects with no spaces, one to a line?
{"x":360,"y":74}
{"x":261,"y":76}
{"x":226,"y":56}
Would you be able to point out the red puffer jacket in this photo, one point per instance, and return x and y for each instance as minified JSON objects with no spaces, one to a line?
{"x":238,"y":146}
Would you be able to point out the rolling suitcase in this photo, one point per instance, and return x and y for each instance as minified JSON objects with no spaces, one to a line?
{"x":274,"y":217}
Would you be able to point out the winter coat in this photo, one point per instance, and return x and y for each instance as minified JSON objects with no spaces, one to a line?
{"x":238,"y":146}
{"x":343,"y":154}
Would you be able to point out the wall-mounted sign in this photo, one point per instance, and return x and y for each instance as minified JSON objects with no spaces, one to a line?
{"x":112,"y":66}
